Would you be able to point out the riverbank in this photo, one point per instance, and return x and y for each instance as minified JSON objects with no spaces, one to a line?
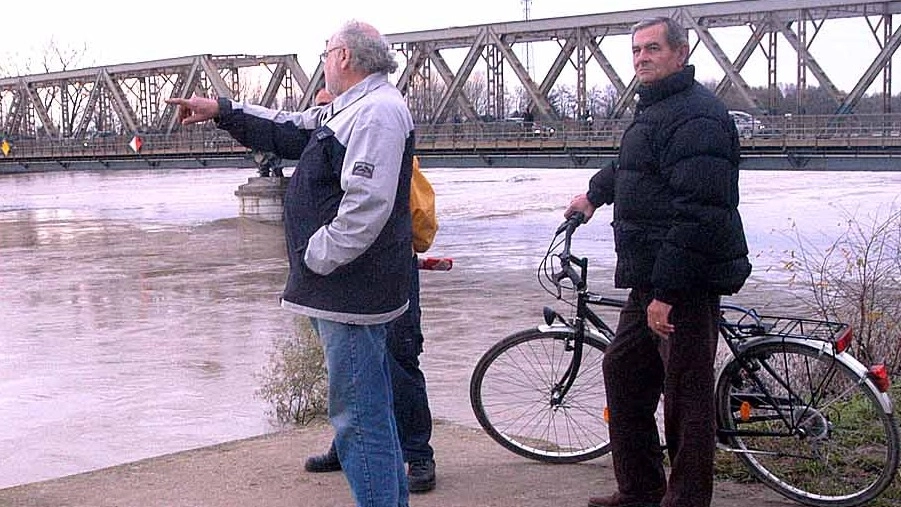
{"x":268,"y":471}
{"x":139,"y":310}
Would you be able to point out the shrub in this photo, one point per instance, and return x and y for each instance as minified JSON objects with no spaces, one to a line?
{"x":857,"y":280}
{"x":295,"y":381}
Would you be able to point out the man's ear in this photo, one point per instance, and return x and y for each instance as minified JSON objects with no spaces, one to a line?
{"x":345,"y":59}
{"x":683,"y":54}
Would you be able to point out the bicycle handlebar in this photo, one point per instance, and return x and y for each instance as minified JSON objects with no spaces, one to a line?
{"x":574,"y":220}
{"x":566,"y":260}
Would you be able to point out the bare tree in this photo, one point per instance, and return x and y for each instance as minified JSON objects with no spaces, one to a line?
{"x":602,"y":101}
{"x":52,"y":57}
{"x":563,"y":101}
{"x":856,"y":280}
{"x":476,"y":90}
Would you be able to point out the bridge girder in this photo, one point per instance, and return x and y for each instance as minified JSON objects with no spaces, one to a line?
{"x":71,"y":103}
{"x":74,"y":103}
{"x":767,"y":18}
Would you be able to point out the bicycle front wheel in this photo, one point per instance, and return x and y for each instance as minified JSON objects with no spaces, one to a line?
{"x":806,"y":425}
{"x":512,"y":390}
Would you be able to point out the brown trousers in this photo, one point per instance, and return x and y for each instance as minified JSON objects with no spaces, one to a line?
{"x":639,"y":367}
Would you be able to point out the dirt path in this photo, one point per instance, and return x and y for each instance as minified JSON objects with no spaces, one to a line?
{"x":268,"y":471}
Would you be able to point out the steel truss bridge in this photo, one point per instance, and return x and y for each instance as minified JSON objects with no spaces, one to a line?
{"x":86,"y":118}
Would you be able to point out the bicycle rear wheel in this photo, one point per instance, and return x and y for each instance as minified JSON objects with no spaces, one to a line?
{"x":511,"y":392}
{"x":807,"y":426}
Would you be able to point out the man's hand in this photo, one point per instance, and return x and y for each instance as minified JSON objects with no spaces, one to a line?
{"x":195,"y":109}
{"x":582,"y":204}
{"x":658,"y":319}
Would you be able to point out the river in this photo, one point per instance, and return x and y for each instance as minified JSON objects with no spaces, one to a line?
{"x":137,"y":310}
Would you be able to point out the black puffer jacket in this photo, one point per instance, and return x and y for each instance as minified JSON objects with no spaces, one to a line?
{"x":675,"y":194}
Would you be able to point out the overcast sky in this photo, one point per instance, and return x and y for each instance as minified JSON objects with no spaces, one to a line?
{"x":117,"y":31}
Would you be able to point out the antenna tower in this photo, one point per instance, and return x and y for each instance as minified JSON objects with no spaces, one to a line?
{"x":527,"y":15}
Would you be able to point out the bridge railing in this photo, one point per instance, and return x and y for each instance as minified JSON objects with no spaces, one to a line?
{"x":836,"y":131}
{"x":856,"y":131}
{"x":782,"y":131}
{"x":517,"y":135}
{"x":184,"y":143}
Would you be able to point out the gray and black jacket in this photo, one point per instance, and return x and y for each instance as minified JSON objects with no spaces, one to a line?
{"x":675,"y":194}
{"x":347,"y":206}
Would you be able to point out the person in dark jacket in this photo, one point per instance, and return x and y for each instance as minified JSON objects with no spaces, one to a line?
{"x":680,"y":245}
{"x":349,"y":237}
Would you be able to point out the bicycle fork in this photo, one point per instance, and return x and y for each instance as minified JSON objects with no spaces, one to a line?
{"x":575,"y":344}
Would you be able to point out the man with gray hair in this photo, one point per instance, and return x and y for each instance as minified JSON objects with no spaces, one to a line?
{"x":349,"y":237}
{"x":680,"y":245}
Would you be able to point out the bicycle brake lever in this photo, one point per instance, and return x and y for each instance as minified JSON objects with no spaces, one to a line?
{"x":561,"y":228}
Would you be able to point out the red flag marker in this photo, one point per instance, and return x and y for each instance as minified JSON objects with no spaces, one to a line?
{"x":136,"y":144}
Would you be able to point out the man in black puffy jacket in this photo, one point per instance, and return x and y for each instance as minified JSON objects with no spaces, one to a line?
{"x":680,"y":245}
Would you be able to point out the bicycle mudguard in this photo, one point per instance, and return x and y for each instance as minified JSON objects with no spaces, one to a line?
{"x":824,"y":349}
{"x":560,"y":328}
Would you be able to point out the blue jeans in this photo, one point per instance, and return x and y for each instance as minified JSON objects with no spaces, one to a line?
{"x":411,"y":404}
{"x":360,"y":410}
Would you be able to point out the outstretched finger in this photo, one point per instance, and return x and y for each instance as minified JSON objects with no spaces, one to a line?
{"x":181,"y":108}
{"x":189,"y":118}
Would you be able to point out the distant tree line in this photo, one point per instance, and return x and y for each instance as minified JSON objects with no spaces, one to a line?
{"x":601,"y":100}
{"x":816,"y":100}
{"x":52,"y":58}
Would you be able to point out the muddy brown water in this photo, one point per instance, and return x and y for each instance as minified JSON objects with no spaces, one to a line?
{"x":137,"y":310}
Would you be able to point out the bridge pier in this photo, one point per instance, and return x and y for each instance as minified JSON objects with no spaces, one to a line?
{"x":262,"y":198}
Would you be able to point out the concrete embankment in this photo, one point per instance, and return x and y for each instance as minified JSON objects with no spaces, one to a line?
{"x":268,"y":471}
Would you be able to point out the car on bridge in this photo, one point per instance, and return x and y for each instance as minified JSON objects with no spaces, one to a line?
{"x":531,"y":127}
{"x":747,"y":125}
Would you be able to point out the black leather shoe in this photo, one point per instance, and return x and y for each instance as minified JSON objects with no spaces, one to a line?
{"x":421,"y":476}
{"x":327,"y":462}
{"x":619,"y":500}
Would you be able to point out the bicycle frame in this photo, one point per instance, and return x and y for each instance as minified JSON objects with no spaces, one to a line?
{"x":730,"y":331}
{"x":736,"y":344}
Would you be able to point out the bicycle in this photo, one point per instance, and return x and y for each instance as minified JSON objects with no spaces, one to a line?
{"x":804,"y":416}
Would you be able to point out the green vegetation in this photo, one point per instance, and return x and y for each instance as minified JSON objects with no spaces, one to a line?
{"x":729,"y":468}
{"x":294,"y":381}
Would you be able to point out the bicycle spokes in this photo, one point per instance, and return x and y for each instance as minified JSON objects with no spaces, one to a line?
{"x":523,"y":399}
{"x":805,"y":424}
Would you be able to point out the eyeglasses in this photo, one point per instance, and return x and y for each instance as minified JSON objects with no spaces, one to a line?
{"x":324,"y":54}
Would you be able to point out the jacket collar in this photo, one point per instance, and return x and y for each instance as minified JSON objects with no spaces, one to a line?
{"x":358,"y":91}
{"x":650,"y":94}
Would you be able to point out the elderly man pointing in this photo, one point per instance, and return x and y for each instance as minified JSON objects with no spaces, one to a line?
{"x":348,"y":233}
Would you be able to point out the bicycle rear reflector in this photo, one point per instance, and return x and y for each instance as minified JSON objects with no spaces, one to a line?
{"x":879,"y":376}
{"x":844,"y":341}
{"x":607,"y":414}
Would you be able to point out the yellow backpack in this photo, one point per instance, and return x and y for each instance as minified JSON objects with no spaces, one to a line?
{"x":422,"y":209}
